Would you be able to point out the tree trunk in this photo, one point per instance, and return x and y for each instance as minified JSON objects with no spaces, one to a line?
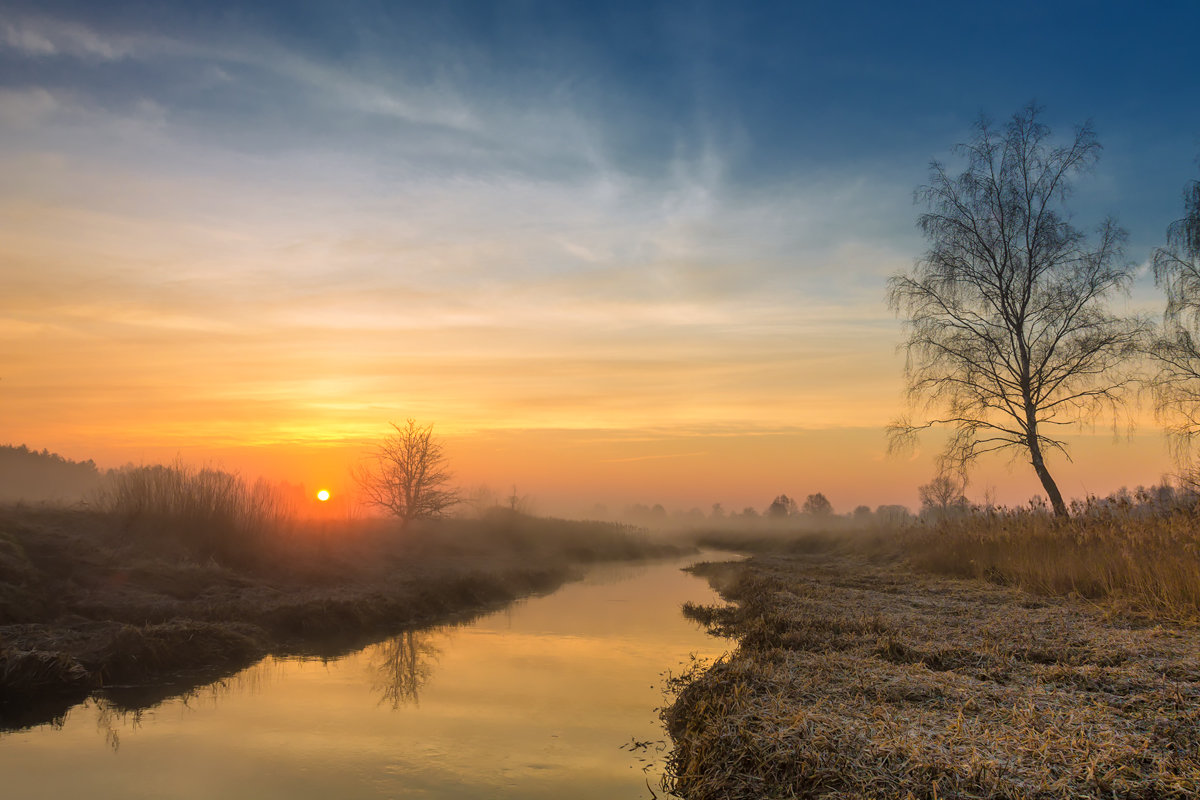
{"x":1039,"y":466}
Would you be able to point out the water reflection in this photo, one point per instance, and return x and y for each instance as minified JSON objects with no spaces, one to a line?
{"x":531,"y":703}
{"x":402,"y":666}
{"x":110,"y":719}
{"x":123,"y":708}
{"x":398,"y":669}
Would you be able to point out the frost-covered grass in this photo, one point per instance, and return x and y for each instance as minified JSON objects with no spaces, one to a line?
{"x":860,"y":680}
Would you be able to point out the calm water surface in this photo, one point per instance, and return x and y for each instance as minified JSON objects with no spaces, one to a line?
{"x":531,"y":702}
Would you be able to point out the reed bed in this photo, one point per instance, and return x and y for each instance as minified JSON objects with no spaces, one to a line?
{"x":860,"y":681}
{"x":215,"y":514}
{"x":1123,"y":554}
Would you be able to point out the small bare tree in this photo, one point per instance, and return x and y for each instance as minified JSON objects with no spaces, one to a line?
{"x":407,"y":474}
{"x":1009,"y":333}
{"x":943,"y":496}
{"x":1176,"y":350}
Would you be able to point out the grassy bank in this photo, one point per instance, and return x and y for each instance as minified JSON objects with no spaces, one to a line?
{"x":1126,"y":554}
{"x":853,"y":679}
{"x":92,"y":599}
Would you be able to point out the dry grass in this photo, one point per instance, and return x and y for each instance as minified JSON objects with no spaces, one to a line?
{"x":860,"y":681}
{"x":213,"y":513}
{"x":1144,"y":560}
{"x":1133,"y":552}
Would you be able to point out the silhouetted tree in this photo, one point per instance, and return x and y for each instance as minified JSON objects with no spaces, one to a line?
{"x":1176,"y":350}
{"x":943,"y":496}
{"x":1009,"y":335}
{"x":817,"y":505}
{"x":407,"y":474}
{"x":781,"y":507}
{"x":517,"y":503}
{"x":891,"y":516}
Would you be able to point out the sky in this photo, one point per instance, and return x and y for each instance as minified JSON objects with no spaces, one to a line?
{"x":615,"y":252}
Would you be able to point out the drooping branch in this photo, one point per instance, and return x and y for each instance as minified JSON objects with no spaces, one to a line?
{"x":1007,"y":317}
{"x":1176,"y":384}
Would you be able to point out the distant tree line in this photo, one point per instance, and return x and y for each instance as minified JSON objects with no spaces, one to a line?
{"x":36,"y":477}
{"x":815,"y":511}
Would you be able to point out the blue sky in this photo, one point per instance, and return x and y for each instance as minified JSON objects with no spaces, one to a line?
{"x":284,"y":222}
{"x":804,"y":83}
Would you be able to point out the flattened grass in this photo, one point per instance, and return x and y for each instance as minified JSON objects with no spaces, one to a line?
{"x":856,"y":681}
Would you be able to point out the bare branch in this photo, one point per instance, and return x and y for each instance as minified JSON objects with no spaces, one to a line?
{"x":407,"y":475}
{"x":1006,"y":313}
{"x":1177,"y":383}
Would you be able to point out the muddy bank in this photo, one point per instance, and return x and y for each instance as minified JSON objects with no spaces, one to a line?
{"x":87,"y":604}
{"x":860,"y":680}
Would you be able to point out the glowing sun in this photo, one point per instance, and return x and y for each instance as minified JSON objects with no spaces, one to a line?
{"x":323,"y":495}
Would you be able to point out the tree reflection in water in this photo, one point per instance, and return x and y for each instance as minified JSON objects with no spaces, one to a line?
{"x":402,"y":665}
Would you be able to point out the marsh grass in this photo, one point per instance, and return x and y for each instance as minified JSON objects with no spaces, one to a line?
{"x":1134,"y":553}
{"x":213,"y":513}
{"x":1150,"y":562}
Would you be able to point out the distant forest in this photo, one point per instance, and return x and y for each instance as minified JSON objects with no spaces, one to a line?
{"x":33,"y":477}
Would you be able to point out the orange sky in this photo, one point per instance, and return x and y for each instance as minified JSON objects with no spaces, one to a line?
{"x":278,"y":337}
{"x":243,"y":250}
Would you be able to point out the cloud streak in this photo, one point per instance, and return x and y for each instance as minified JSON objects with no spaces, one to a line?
{"x":487,"y":296}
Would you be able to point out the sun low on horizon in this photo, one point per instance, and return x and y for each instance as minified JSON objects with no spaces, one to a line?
{"x":615,"y":255}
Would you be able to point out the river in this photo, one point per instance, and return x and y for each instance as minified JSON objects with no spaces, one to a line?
{"x":534,"y":701}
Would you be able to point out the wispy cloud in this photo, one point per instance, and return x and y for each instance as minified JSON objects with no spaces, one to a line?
{"x":43,"y":37}
{"x":266,"y":242}
{"x":658,"y":457}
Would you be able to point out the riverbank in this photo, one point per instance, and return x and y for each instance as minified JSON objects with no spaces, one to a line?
{"x":855,"y":678}
{"x":89,"y":603}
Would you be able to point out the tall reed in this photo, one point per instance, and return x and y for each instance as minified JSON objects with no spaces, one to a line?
{"x":1128,"y":551}
{"x":211,"y":512}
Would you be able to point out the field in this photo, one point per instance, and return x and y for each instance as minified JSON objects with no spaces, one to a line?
{"x":1012,"y":657}
{"x":981,"y":655}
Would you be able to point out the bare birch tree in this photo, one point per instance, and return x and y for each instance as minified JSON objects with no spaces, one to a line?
{"x":407,"y":474}
{"x":1009,"y":332}
{"x":1176,"y":350}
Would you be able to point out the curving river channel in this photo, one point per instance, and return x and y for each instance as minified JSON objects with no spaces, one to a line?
{"x":535,"y":701}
